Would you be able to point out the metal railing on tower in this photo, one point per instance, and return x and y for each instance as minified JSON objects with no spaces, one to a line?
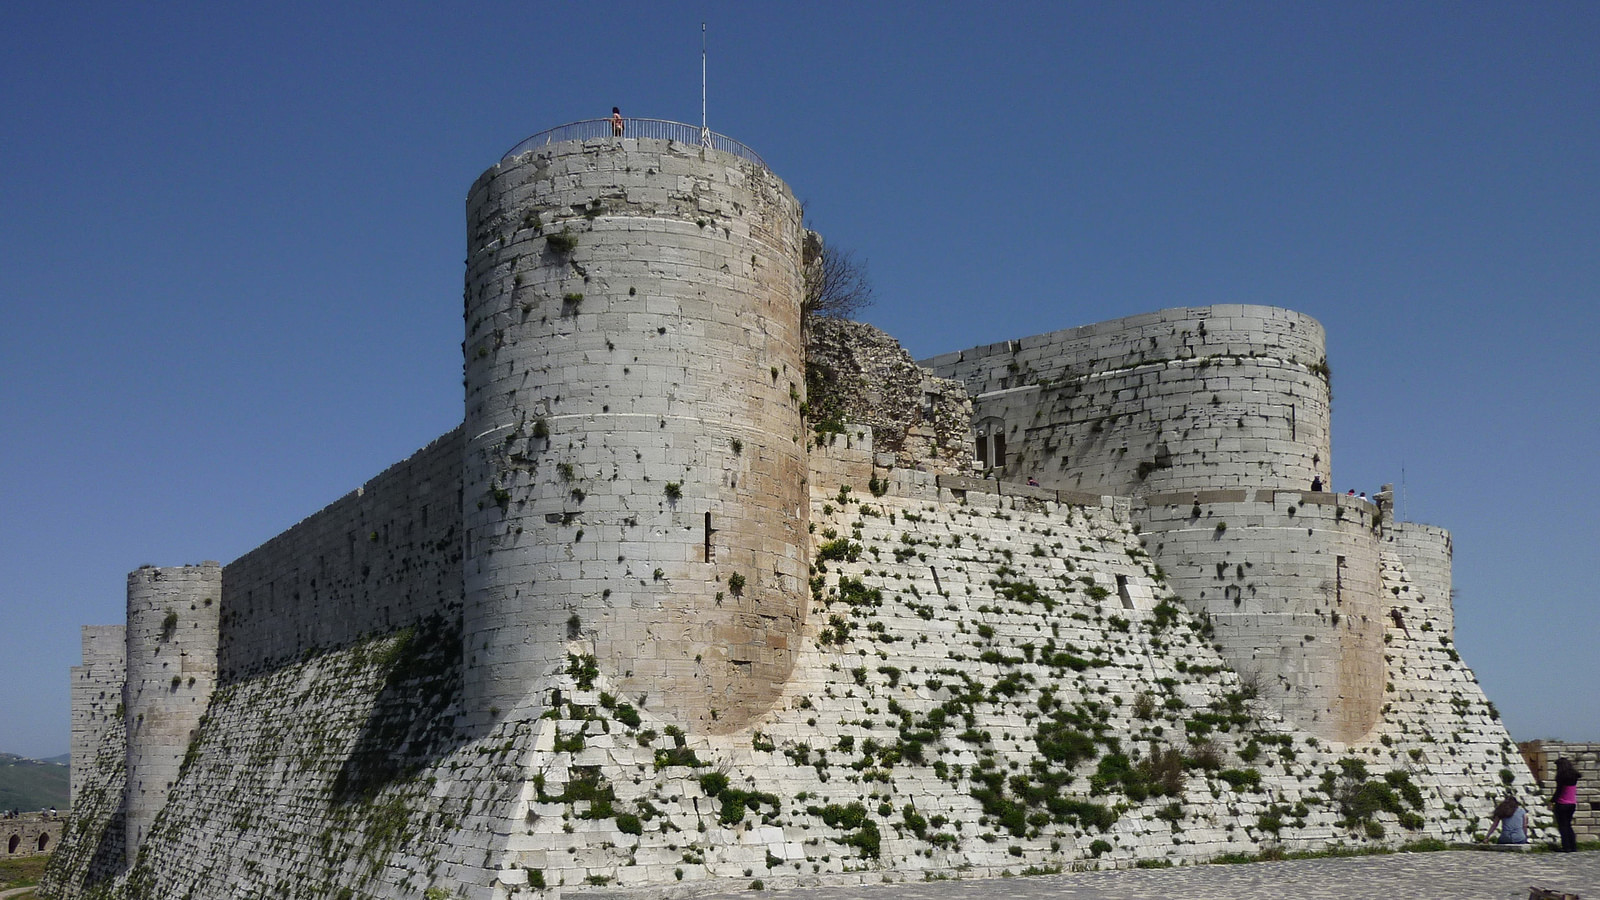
{"x":656,"y":129}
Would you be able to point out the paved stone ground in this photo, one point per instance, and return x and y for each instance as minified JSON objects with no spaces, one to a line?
{"x":1451,"y":875}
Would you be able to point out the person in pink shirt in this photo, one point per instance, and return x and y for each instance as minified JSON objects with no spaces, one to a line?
{"x":1565,"y":802}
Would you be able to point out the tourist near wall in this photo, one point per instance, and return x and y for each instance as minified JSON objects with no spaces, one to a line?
{"x":639,"y":621}
{"x":1542,"y":756}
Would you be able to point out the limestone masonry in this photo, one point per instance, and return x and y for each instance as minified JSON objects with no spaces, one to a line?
{"x":701,"y":594}
{"x":30,"y":834}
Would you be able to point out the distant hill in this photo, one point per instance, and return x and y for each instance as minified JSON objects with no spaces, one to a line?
{"x":30,"y":784}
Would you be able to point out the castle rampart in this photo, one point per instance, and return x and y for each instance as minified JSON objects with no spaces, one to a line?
{"x":1290,"y":581}
{"x":634,"y":472}
{"x":96,"y":697}
{"x":1426,"y":552}
{"x":384,"y":556}
{"x":172,"y":670}
{"x":1183,"y":399}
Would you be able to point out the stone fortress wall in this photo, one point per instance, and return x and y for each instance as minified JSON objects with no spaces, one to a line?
{"x":97,"y":702}
{"x":1292,"y":588}
{"x":384,"y":556}
{"x":1179,"y":400}
{"x":611,"y":629}
{"x":1426,"y":553}
{"x":1216,"y":420}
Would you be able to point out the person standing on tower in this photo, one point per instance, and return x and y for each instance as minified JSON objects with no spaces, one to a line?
{"x":616,"y":122}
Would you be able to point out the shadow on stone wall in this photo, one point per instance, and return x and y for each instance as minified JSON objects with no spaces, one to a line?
{"x":92,"y":851}
{"x":412,"y":724}
{"x":109,"y":857}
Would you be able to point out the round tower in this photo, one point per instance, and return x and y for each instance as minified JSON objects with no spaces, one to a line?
{"x":1426,"y":552}
{"x":1290,"y":581}
{"x":1183,"y":399}
{"x":172,"y":669}
{"x":634,"y":469}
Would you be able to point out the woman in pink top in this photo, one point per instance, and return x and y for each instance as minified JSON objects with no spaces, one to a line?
{"x":1565,"y":802}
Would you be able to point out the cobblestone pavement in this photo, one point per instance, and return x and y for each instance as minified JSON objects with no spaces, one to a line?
{"x":1454,"y":875}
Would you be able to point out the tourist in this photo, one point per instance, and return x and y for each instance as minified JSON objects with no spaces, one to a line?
{"x":616,"y":122}
{"x":1512,"y":820}
{"x":1565,"y":802}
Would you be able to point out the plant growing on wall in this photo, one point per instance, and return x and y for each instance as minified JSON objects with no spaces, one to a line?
{"x":561,"y":243}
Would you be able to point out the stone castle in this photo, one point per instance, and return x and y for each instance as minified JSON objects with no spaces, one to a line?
{"x":701,"y":593}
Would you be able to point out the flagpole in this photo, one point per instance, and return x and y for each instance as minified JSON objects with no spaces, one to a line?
{"x":705,"y":131}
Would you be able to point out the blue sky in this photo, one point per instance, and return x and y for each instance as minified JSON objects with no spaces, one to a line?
{"x":231,"y":241}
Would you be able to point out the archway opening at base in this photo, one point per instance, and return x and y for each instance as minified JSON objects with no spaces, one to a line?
{"x":44,"y":840}
{"x":11,"y":845}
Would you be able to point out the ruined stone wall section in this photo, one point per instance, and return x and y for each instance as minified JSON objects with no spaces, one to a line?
{"x":172,"y":670}
{"x":1426,"y":552}
{"x":1586,"y":757}
{"x":96,"y":691}
{"x":385,"y":555}
{"x":30,"y":834}
{"x":843,"y":462}
{"x":855,"y":373}
{"x":1290,"y":581}
{"x":634,"y":375}
{"x":1182,"y":399}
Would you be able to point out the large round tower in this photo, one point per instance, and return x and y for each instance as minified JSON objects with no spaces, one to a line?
{"x":1216,"y":420}
{"x":634,"y":467}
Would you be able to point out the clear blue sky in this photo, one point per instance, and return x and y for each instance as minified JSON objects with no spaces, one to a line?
{"x":231,"y":241}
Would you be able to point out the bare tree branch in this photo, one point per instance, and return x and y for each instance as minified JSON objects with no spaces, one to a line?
{"x":837,"y":286}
